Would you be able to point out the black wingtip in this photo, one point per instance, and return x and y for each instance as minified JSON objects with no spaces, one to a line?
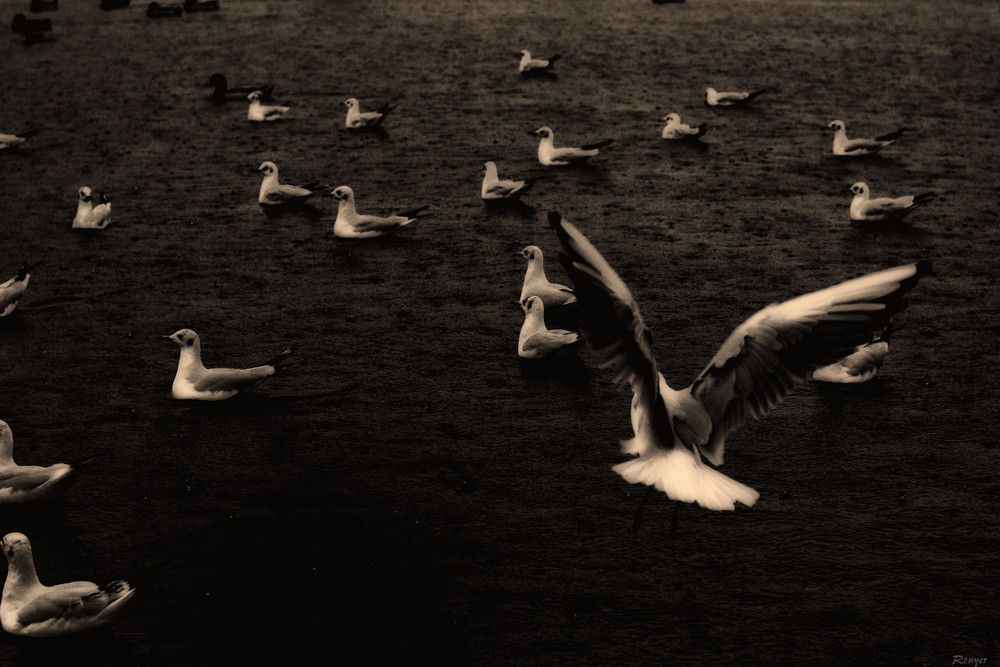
{"x":555,"y":219}
{"x":279,"y":358}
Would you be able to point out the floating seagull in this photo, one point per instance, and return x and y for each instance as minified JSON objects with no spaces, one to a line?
{"x":223,"y":92}
{"x":195,"y":382}
{"x":714,"y":98}
{"x":201,"y":6}
{"x":14,"y":140}
{"x":89,"y":216}
{"x":551,"y":156}
{"x":357,"y":119}
{"x":496,"y":190}
{"x":537,"y":341}
{"x":859,"y":366}
{"x":44,"y":5}
{"x":273,"y":193}
{"x":883,"y":209}
{"x":260,"y":110}
{"x":351,"y":225}
{"x":155,"y":10}
{"x":760,"y":362}
{"x":24,"y":484}
{"x":30,"y":609}
{"x":12,"y":290}
{"x":676,"y":130}
{"x":844,"y":146}
{"x":26,"y":27}
{"x":532,"y":66}
{"x":535,"y":283}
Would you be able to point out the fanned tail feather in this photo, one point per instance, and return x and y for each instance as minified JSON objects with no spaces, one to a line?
{"x":680,"y":475}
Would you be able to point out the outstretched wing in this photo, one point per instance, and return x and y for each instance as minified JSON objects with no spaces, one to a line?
{"x":779,"y":346}
{"x":611,"y":324}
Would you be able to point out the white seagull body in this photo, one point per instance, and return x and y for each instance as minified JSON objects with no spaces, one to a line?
{"x":352,"y":225}
{"x":274,"y":193}
{"x":883,"y":209}
{"x":262,"y":110}
{"x":31,"y":609}
{"x":494,"y":189}
{"x":14,"y":140}
{"x":552,"y":156}
{"x":25,"y":484}
{"x":676,"y":130}
{"x":762,"y":361}
{"x":13,"y":289}
{"x":859,"y":366}
{"x":89,"y":216}
{"x":856,"y":147}
{"x":714,"y":98}
{"x":537,"y":284}
{"x":195,"y":382}
{"x":536,"y":340}
{"x":531,"y":65}
{"x":356,"y":119}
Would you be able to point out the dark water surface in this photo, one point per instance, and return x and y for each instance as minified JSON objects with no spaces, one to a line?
{"x":411,"y":491}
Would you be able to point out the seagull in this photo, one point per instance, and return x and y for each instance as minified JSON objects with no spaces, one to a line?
{"x":352,"y":225}
{"x":155,"y":10}
{"x":676,"y":130}
{"x":273,"y":193}
{"x":535,"y":340}
{"x":222,"y":92}
{"x":357,"y":119}
{"x":23,"y":484}
{"x":195,"y":382}
{"x":260,"y":110}
{"x":531,"y":66}
{"x":714,"y":98}
{"x":550,"y":156}
{"x":859,"y":366}
{"x":12,"y":290}
{"x":13,"y":140}
{"x":536,"y":284}
{"x":844,"y":146}
{"x":31,"y":609}
{"x":761,"y":361}
{"x":201,"y":6}
{"x":89,"y":216}
{"x":26,"y":27}
{"x":496,"y":190}
{"x":44,"y":5}
{"x":883,"y":209}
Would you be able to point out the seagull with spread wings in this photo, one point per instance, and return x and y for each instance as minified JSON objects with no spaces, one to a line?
{"x":760,"y":362}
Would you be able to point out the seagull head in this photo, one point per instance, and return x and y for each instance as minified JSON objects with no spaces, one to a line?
{"x":542,"y":132}
{"x":524,"y":52}
{"x":531,"y":253}
{"x":343,"y":193}
{"x":489,"y":163}
{"x":351,"y":102}
{"x":836,"y":125}
{"x":15,"y":544}
{"x":268,"y":168}
{"x":184,"y":338}
{"x":860,"y":188}
{"x":672,"y":118}
{"x":532,"y":302}
{"x":255,"y":96}
{"x":85,"y":194}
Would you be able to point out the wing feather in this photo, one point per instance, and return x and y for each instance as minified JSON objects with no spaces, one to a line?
{"x":778,"y":347}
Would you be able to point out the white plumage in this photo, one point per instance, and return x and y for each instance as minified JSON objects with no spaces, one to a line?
{"x":495,"y":189}
{"x":536,"y":340}
{"x":352,"y":225}
{"x":273,"y":193}
{"x":883,"y":209}
{"x":31,"y":609}
{"x":551,"y":155}
{"x":858,"y":147}
{"x":262,"y":110}
{"x":13,"y":289}
{"x":195,"y":382}
{"x":89,"y":216}
{"x":536,"y":283}
{"x":754,"y":369}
